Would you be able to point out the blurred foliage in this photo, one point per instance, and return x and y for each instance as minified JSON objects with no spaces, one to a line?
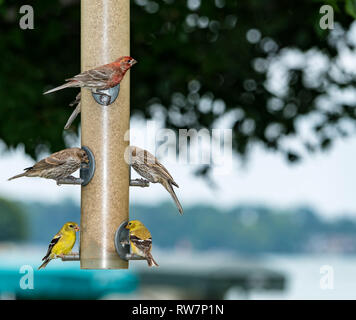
{"x":350,"y":7}
{"x":12,"y":221}
{"x":198,"y":60}
{"x":245,"y":229}
{"x":51,"y":217}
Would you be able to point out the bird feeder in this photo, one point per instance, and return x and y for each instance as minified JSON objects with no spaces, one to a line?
{"x":105,"y":36}
{"x":105,"y":118}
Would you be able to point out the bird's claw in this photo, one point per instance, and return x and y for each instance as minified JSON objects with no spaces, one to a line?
{"x":139,"y":183}
{"x":104,"y":98}
{"x":85,"y":166}
{"x":107,"y":101}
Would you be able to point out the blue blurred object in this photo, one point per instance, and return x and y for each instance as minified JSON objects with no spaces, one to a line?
{"x":61,"y":280}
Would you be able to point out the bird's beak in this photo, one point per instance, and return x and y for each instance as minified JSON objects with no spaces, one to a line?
{"x":86,"y":160}
{"x":133,"y":61}
{"x":127,"y":227}
{"x":77,"y":228}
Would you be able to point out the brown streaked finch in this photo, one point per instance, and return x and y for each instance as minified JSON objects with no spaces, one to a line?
{"x":57,"y":166}
{"x":75,"y":112}
{"x":99,"y":78}
{"x":148,"y":166}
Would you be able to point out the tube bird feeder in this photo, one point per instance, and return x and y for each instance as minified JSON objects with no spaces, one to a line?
{"x":105,"y":36}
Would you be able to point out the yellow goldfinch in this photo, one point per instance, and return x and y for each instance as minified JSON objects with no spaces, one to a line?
{"x":141,"y":241}
{"x":61,"y":244}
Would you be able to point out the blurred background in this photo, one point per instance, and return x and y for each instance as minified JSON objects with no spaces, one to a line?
{"x":280,"y":224}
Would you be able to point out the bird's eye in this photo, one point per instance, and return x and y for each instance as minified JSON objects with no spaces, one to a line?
{"x":70,"y":226}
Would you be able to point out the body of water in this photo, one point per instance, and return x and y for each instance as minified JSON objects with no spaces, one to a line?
{"x":310,"y":277}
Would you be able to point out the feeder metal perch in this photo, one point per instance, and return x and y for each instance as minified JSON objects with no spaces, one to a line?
{"x":71,"y":257}
{"x":139,"y":183}
{"x":70,"y":180}
{"x":106,"y":97}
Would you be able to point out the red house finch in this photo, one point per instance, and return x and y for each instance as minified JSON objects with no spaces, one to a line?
{"x":100,"y":78}
{"x":57,"y":166}
{"x":75,"y":112}
{"x":147,"y":166}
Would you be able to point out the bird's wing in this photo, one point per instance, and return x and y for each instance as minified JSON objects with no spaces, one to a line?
{"x":52,"y":161}
{"x":142,"y":244}
{"x":66,"y":243}
{"x":56,"y":159}
{"x":96,"y":77}
{"x":152,"y":162}
{"x":63,"y":155}
{"x":51,"y":245}
{"x":160,"y":168}
{"x":47,"y":163}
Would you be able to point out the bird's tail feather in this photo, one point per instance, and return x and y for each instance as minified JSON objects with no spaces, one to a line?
{"x":63,"y":86}
{"x":150,"y":261}
{"x":72,"y":117}
{"x":44,"y":264}
{"x":18,"y":176}
{"x":169,"y":188}
{"x":77,"y":100}
{"x":175,"y":183}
